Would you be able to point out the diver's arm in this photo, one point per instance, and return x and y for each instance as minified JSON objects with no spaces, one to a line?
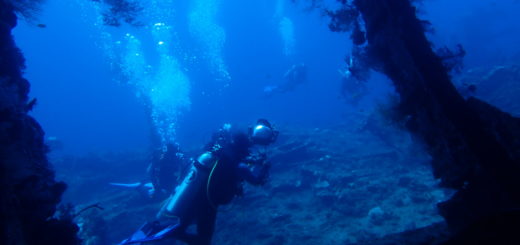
{"x":254,"y":177}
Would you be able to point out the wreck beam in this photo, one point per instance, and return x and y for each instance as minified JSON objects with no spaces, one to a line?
{"x":468,"y":153}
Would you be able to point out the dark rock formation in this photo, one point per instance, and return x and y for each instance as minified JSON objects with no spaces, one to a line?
{"x":29,"y":193}
{"x":474,"y":146}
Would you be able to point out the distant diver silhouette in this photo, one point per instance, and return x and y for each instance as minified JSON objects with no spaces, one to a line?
{"x":292,"y":78}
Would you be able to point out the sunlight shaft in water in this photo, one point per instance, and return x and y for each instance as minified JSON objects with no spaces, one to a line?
{"x":286,"y":28}
{"x":164,"y":87}
{"x":210,"y":36}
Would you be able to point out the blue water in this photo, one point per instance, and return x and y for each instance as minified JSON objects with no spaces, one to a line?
{"x":85,"y":100}
{"x":195,"y":65}
{"x":85,"y":103}
{"x":343,"y":172}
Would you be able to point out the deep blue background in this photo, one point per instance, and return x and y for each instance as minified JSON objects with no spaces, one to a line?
{"x":81,"y":103}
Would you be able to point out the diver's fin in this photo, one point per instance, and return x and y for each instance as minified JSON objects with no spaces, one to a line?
{"x":129,"y":185}
{"x":149,"y":232}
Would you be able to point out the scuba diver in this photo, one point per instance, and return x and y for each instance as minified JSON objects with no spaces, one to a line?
{"x":295,"y":76}
{"x":164,"y":170}
{"x":215,"y":178}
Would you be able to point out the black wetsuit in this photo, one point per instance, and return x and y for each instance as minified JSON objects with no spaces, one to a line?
{"x":165,"y":168}
{"x":225,"y":182}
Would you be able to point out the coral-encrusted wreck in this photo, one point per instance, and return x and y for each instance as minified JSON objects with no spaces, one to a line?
{"x":475,"y":147}
{"x":28,"y":192}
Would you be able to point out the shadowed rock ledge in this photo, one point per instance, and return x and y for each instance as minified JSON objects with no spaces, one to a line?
{"x":29,"y":193}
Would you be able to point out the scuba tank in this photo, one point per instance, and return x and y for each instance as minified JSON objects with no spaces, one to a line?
{"x":193,"y":185}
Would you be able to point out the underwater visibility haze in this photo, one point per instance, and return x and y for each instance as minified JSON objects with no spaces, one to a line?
{"x":260,"y":122}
